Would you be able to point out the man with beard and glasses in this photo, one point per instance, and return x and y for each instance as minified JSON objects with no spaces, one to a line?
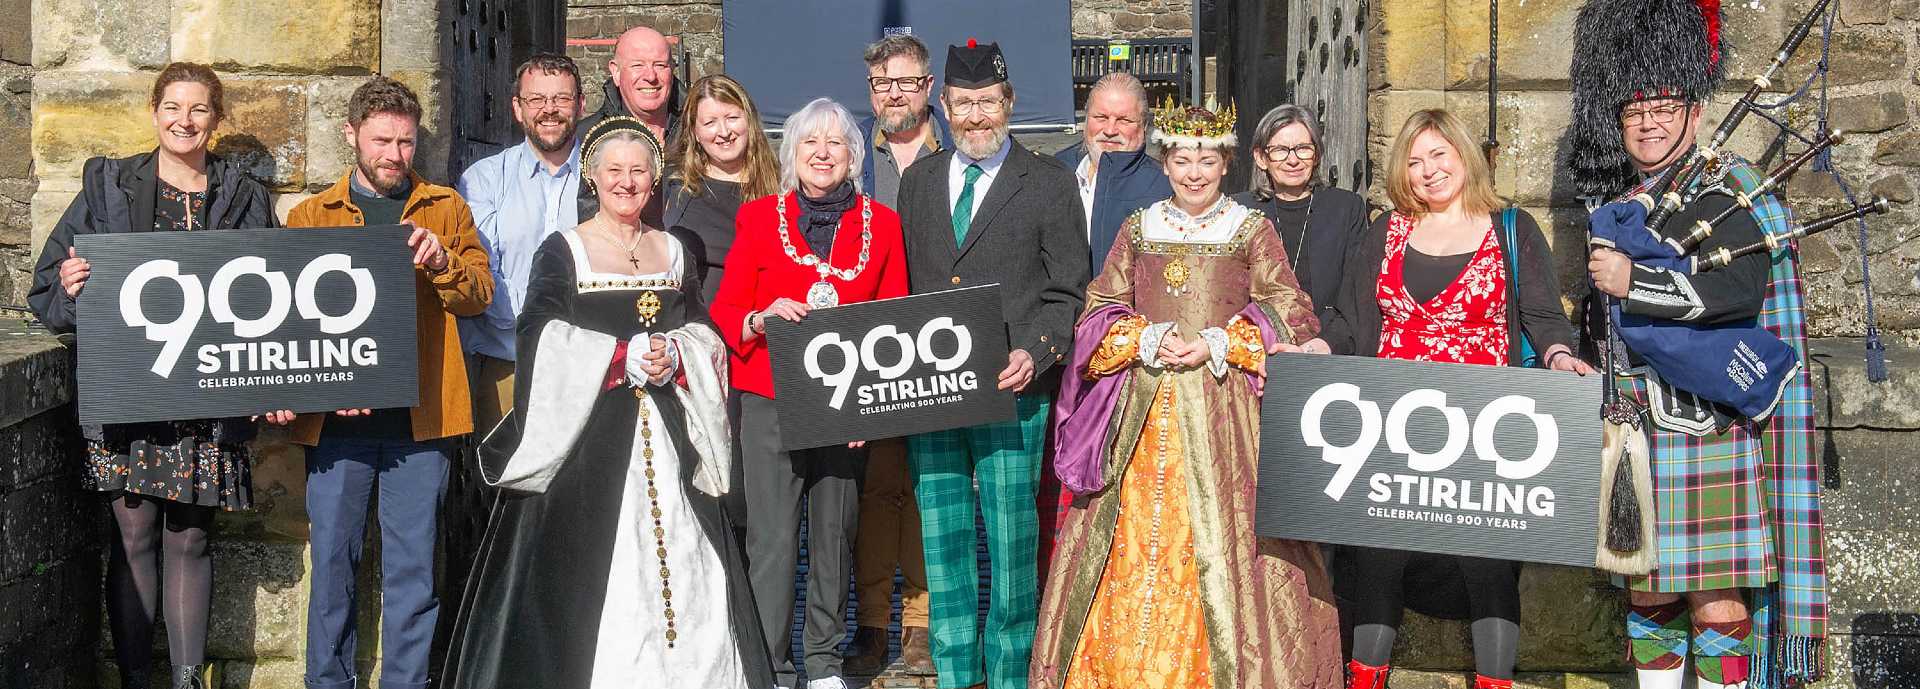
{"x":519,"y":196}
{"x":640,"y":84}
{"x":904,"y":129}
{"x":1116,"y":175}
{"x":990,"y":211}
{"x":399,"y":454}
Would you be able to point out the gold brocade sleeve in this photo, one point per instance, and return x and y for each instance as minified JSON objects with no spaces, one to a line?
{"x":1277,"y":290}
{"x":1245,"y":350}
{"x":1114,"y":283}
{"x":1120,"y":348}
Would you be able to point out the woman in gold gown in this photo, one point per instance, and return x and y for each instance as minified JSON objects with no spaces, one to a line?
{"x":1158,"y":579}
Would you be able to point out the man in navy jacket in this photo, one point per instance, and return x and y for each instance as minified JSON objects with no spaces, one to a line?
{"x":1116,"y":175}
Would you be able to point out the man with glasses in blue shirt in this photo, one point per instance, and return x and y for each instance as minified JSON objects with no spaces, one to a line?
{"x":519,"y":196}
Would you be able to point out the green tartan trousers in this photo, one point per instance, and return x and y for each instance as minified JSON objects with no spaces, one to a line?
{"x":1004,"y":458}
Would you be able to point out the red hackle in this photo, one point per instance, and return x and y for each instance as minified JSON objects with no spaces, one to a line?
{"x":1710,"y":11}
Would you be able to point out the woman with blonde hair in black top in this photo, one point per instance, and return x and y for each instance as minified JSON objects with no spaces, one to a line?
{"x":725,"y":161}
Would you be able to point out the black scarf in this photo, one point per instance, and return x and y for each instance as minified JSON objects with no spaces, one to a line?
{"x":820,"y":218}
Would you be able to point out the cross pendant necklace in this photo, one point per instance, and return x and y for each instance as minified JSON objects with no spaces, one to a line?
{"x":632,"y":257}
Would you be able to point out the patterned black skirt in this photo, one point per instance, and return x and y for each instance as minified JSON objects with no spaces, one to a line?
{"x":177,"y":461}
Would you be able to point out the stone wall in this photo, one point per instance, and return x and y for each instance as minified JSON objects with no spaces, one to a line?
{"x":16,"y":164}
{"x":286,"y":89}
{"x":1434,"y":54}
{"x":592,"y":25}
{"x":51,"y":533}
{"x":1132,"y":18}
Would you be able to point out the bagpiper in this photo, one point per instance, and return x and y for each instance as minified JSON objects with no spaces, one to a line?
{"x":1737,"y":579}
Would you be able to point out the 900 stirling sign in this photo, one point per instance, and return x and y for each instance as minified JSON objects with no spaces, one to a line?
{"x":889,"y":368}
{"x":258,"y":339}
{"x":1528,"y":492}
{"x":258,"y":356}
{"x":892,"y":389}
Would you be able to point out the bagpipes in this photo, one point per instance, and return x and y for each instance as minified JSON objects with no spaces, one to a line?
{"x":1720,"y":258}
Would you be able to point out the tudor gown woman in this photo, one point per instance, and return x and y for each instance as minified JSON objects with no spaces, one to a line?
{"x":818,"y":244}
{"x":607,"y":561}
{"x":167,"y":479}
{"x":1157,"y":432}
{"x":1431,"y":281}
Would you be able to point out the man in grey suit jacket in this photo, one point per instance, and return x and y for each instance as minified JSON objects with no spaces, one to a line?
{"x":988,"y":211}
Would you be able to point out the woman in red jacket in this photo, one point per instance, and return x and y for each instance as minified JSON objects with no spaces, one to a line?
{"x":818,"y":244}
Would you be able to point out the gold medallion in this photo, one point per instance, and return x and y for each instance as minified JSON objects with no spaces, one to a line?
{"x":648,"y":305}
{"x":1176,"y":274}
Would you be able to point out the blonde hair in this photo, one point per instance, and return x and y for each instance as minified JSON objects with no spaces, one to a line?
{"x":1476,"y":191}
{"x":762,"y":170}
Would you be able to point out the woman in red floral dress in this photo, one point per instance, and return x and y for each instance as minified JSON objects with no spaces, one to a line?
{"x":1443,"y":292}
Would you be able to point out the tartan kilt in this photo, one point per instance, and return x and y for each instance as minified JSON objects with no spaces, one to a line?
{"x":1710,"y":508}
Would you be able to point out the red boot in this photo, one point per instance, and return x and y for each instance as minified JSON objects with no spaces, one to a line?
{"x":1363,"y":676}
{"x":1485,"y":682}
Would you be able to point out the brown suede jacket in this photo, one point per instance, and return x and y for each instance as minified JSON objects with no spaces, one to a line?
{"x":463,"y":289}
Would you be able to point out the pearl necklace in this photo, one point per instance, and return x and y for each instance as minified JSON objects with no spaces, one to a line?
{"x":822,"y":295}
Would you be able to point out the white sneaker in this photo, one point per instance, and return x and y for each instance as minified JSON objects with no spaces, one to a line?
{"x":827,"y":683}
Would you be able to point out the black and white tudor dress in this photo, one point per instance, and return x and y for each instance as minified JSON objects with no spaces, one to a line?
{"x":607,"y":560}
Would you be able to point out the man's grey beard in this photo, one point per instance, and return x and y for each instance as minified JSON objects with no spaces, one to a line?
{"x":902,"y":122}
{"x":992,"y":147}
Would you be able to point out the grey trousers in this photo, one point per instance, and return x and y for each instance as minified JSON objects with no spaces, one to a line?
{"x":827,"y":481}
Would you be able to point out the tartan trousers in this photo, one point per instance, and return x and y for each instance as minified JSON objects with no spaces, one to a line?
{"x":1004,"y":458}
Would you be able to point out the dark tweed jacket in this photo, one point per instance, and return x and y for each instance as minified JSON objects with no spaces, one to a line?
{"x":1029,"y":235}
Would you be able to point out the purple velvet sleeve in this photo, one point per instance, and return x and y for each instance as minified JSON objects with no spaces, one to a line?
{"x":1084,"y":409}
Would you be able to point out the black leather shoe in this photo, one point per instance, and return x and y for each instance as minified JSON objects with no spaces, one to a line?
{"x":867,"y":655}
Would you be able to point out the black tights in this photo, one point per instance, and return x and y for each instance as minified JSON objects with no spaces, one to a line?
{"x":152,"y":531}
{"x":1493,"y":596}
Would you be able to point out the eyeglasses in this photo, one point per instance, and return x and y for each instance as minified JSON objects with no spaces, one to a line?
{"x":1660,"y":115}
{"x":1305,"y":152}
{"x":904,"y":84}
{"x":987,"y":106}
{"x":560,"y":101}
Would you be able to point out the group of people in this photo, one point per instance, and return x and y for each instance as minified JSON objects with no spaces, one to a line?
{"x":591,"y":310}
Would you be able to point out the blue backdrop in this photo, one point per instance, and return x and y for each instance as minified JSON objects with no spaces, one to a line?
{"x":788,"y":52}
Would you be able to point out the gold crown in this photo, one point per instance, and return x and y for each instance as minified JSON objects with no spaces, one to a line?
{"x":1171,"y":122}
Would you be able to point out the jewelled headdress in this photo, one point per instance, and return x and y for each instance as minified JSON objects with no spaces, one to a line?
{"x":1194,"y":127}
{"x":590,"y":146}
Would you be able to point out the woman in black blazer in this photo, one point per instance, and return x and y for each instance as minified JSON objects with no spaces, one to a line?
{"x":165,"y":479}
{"x":1317,"y":223}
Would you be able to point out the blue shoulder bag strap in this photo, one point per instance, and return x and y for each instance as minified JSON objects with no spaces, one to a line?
{"x":1528,"y":357}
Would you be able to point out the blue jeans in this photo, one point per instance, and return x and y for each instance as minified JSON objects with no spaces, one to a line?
{"x":342,"y":475}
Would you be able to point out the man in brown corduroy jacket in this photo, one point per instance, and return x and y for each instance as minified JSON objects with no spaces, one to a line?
{"x":403,"y":454}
